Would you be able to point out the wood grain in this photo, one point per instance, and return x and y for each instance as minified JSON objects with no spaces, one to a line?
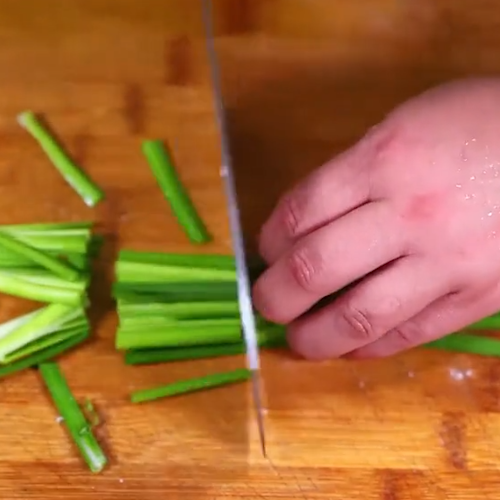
{"x":303,"y":79}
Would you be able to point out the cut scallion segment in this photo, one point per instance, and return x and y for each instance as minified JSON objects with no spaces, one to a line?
{"x":36,"y":291}
{"x":178,"y":310}
{"x":74,"y":176}
{"x":177,"y":334}
{"x":137,"y":272}
{"x":42,"y":277}
{"x":43,"y":355}
{"x":150,"y":356}
{"x":210,"y":261}
{"x":42,"y":324}
{"x":45,"y":342}
{"x":44,"y":227}
{"x":186,"y":386}
{"x":217,"y":291}
{"x":174,"y":192}
{"x":38,"y":257}
{"x":73,"y":417}
{"x":489,"y":323}
{"x":473,"y":344}
{"x":54,"y":244}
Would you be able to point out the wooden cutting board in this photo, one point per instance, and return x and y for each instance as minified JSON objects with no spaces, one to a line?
{"x":303,"y":79}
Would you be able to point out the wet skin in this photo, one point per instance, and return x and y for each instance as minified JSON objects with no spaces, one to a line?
{"x":412,"y":211}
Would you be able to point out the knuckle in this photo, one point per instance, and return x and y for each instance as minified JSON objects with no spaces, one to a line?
{"x":304,"y":268}
{"x":290,"y":212}
{"x":407,"y":335}
{"x":359,"y":322}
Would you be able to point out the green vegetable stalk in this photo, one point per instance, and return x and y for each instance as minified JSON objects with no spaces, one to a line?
{"x":186,"y":386}
{"x":74,"y":176}
{"x":174,"y":192}
{"x":73,"y":417}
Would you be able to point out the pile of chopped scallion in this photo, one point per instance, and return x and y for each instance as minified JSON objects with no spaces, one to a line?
{"x":171,"y":307}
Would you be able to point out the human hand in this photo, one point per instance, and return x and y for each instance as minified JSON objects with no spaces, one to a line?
{"x":412,"y":211}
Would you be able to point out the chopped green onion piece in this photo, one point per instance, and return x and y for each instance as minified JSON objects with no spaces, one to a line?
{"x":41,"y":325}
{"x":11,"y":325}
{"x":37,"y":256}
{"x":10,"y":260}
{"x":73,"y":418}
{"x":211,"y":261}
{"x":44,"y":342}
{"x":473,"y":344}
{"x":42,"y":277}
{"x":178,"y":334}
{"x":43,"y":227}
{"x":174,"y":192}
{"x":489,"y":323}
{"x":54,"y":244}
{"x":35,"y":291}
{"x":150,"y":356}
{"x":8,"y":327}
{"x":217,"y":291}
{"x":136,"y":272}
{"x":43,"y":355}
{"x":74,"y":176}
{"x":185,"y":386}
{"x":178,"y":310}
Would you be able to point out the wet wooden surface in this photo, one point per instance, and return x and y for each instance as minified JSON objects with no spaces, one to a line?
{"x":302,"y":79}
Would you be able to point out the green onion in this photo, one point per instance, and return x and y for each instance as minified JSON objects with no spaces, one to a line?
{"x":178,"y":310}
{"x":36,"y":291}
{"x":44,"y":227}
{"x":54,"y":244}
{"x":177,"y":334}
{"x":217,"y":291}
{"x":164,"y":332}
{"x":150,"y":356}
{"x":10,"y":260}
{"x":73,"y":417}
{"x":186,"y":386}
{"x":42,"y":277}
{"x":135,"y":272}
{"x":37,"y":256}
{"x":490,"y":323}
{"x":43,"y":355}
{"x":39,"y":326}
{"x":45,"y":342}
{"x":210,"y":261}
{"x":74,"y":176}
{"x":174,"y":192}
{"x":473,"y":344}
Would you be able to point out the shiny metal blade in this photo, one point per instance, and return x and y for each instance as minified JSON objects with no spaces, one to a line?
{"x":244,"y":293}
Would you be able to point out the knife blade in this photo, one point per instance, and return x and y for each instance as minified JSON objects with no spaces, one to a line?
{"x":244,"y":293}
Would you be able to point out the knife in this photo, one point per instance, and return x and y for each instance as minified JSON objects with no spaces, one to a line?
{"x":244,"y":293}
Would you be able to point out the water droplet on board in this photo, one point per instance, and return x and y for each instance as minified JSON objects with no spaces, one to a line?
{"x":457,"y":374}
{"x":458,"y":186}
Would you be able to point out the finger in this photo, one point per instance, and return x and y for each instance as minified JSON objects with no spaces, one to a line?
{"x":330,"y":192}
{"x":375,"y":306}
{"x":327,"y":260}
{"x":447,"y":315}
